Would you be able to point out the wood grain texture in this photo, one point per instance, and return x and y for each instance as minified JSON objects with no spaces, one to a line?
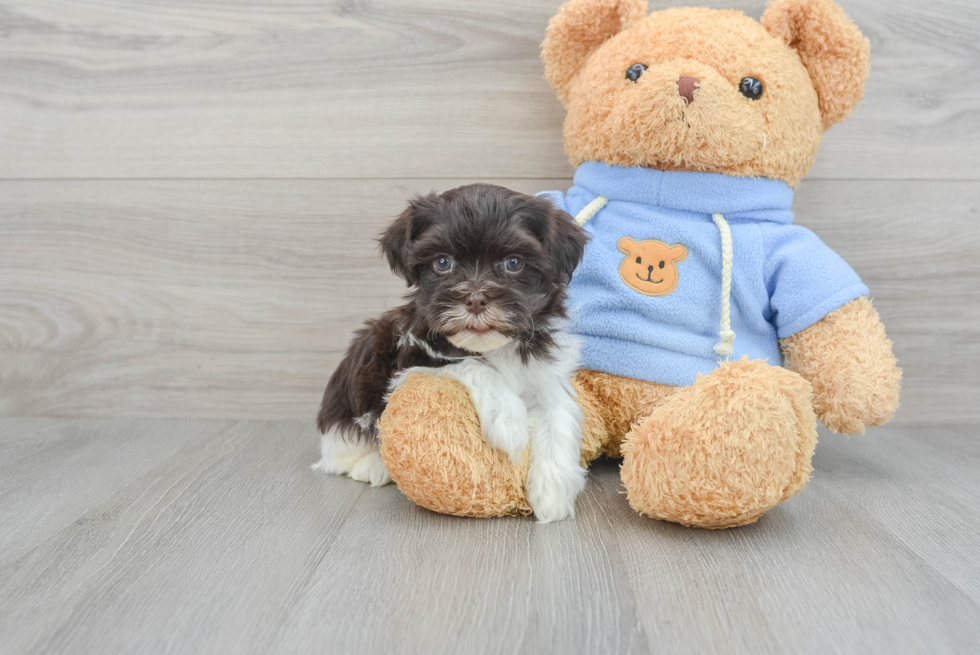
{"x":236,"y":299}
{"x":229,"y":543}
{"x":188,"y":195}
{"x":52,"y":473}
{"x":428,"y":88}
{"x":185,"y":554}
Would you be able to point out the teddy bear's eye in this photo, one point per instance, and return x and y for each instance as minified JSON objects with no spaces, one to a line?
{"x":662,"y":264}
{"x":633,"y":72}
{"x":639,"y":260}
{"x":751,"y":87}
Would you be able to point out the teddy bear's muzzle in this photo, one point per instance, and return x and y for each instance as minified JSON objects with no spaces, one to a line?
{"x":686,"y":86}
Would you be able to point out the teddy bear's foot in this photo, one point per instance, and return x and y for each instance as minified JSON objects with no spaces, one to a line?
{"x":435,"y":452}
{"x":721,"y":452}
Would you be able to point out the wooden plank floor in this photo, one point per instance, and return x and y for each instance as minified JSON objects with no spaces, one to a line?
{"x":192,"y":536}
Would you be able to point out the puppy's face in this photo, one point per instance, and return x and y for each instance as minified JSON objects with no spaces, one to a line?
{"x":490,"y":265}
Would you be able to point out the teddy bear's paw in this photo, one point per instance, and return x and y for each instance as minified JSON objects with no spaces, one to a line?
{"x":432,"y":445}
{"x":857,"y":397}
{"x":847,"y":358}
{"x":725,"y":450}
{"x":552,"y":490}
{"x":359,"y":460}
{"x":504,"y":425}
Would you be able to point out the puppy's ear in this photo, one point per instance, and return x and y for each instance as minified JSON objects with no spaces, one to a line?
{"x":562,"y":238}
{"x":397,"y":240}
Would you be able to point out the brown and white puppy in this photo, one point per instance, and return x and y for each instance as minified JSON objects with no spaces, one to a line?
{"x":487,"y":269}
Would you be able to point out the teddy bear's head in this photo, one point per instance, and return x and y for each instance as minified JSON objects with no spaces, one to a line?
{"x":697,"y":89}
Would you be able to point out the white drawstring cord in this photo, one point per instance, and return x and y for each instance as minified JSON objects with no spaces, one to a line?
{"x":590,"y":210}
{"x":724,"y":347}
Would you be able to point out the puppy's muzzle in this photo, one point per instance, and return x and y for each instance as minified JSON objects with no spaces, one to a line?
{"x":476,"y":303}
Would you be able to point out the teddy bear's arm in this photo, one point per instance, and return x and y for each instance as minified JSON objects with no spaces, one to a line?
{"x":848,"y":360}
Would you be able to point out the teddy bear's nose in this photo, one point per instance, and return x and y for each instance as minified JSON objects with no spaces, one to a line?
{"x":686,"y":86}
{"x":649,"y":269}
{"x":476,"y":303}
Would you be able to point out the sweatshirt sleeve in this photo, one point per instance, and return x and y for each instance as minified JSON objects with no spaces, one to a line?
{"x":805,"y":279}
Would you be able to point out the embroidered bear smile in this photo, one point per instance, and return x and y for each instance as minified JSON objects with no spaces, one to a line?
{"x":660,"y":281}
{"x":643,"y":258}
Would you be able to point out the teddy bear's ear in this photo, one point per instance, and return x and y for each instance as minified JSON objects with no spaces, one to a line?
{"x":833,"y":50}
{"x":579,"y":27}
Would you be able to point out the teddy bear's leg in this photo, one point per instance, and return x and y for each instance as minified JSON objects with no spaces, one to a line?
{"x":612,"y":404}
{"x":721,"y":452}
{"x":435,"y":451}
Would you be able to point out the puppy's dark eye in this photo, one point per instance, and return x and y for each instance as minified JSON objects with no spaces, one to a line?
{"x":442,"y":264}
{"x":513,"y":264}
{"x":633,"y":72}
{"x":662,"y":264}
{"x":751,"y":87}
{"x":639,"y":260}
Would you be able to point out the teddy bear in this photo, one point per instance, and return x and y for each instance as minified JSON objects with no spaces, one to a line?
{"x":715,"y":331}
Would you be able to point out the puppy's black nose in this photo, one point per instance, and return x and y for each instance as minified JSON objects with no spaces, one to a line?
{"x":476,"y":303}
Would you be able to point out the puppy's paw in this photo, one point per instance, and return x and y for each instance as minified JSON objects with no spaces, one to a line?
{"x":505,"y":428}
{"x":552,"y":490}
{"x":371,"y":469}
{"x":361,"y":460}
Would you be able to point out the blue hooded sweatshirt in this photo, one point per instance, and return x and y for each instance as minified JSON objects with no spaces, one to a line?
{"x":648,"y":299}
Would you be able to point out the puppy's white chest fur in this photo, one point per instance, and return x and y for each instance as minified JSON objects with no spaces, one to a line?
{"x":507,"y":393}
{"x":532,"y":404}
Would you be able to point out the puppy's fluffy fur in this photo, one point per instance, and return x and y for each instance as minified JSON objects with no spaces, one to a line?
{"x":487,"y":269}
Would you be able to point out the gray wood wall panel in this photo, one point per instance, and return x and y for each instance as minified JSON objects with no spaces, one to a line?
{"x":235,"y":299}
{"x":427,"y":88}
{"x":188,"y":190}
